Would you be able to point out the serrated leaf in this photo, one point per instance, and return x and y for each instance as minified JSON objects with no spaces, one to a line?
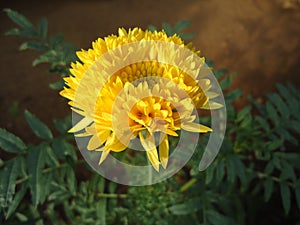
{"x":181,"y":25}
{"x":57,"y":85}
{"x":186,"y":208}
{"x":187,"y":36}
{"x":16,"y":201}
{"x":39,"y":128}
{"x":287,"y":171}
{"x":11,"y":143}
{"x":48,"y":57}
{"x":231,"y":173}
{"x":8,"y":181}
{"x":33,"y":45}
{"x":273,"y":145}
{"x":280,"y":104}
{"x":264,"y":124}
{"x":101,"y":211}
{"x":167,"y":28}
{"x":271,"y":111}
{"x":216,"y":218}
{"x":220,"y":171}
{"x":297,"y":193}
{"x":63,"y":125}
{"x":233,"y":95}
{"x":19,"y":19}
{"x":71,"y":181}
{"x":243,"y":113}
{"x":63,"y":149}
{"x":285,"y":197}
{"x":268,"y":189}
{"x":14,"y":31}
{"x":43,"y":28}
{"x":209,"y":172}
{"x":51,"y":158}
{"x":35,"y":164}
{"x":220,"y":73}
{"x":152,"y":28}
{"x":241,"y":170}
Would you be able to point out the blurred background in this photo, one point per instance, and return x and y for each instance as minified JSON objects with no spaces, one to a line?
{"x":260,"y":40}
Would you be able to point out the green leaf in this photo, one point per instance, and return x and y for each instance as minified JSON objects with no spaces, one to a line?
{"x":43,"y":28}
{"x":297,"y":193}
{"x":167,"y":28}
{"x":33,"y":45}
{"x":16,"y":201}
{"x":181,"y":25}
{"x":280,"y":104}
{"x":220,"y":171}
{"x":19,"y":19}
{"x":152,"y":28}
{"x":243,"y":113}
{"x":285,"y":197}
{"x":209,"y":174}
{"x":8,"y":181}
{"x":217,"y":218}
{"x":11,"y":143}
{"x":263,"y":122}
{"x":38,"y":127}
{"x":231,"y":172}
{"x":57,"y":85}
{"x":63,"y":125}
{"x":14,"y":31}
{"x":233,"y":95}
{"x":35,"y":164}
{"x":274,"y":145}
{"x":71,"y":181}
{"x":48,"y":57}
{"x":187,"y":36}
{"x":271,"y":111}
{"x":268,"y":189}
{"x":220,"y":73}
{"x":101,"y":211}
{"x":51,"y":157}
{"x":186,"y":208}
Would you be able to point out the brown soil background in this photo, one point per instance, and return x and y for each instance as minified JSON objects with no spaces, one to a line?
{"x":260,"y":40}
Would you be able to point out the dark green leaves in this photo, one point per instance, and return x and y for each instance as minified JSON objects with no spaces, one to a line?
{"x":186,"y":208}
{"x":35,"y":164}
{"x":8,"y":178}
{"x":38,"y":127}
{"x":286,"y":197}
{"x":11,"y":143}
{"x":19,"y":19}
{"x":177,"y":29}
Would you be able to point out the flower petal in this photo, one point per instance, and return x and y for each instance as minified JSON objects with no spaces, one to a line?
{"x":149,"y":146}
{"x":81,"y":125}
{"x":195,"y":127}
{"x":164,"y":150}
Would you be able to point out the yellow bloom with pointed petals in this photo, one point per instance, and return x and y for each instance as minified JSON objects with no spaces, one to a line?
{"x":147,"y":100}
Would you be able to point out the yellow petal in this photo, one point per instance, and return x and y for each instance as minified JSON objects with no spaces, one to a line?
{"x":94,"y":143}
{"x":81,"y":125}
{"x":103,"y":156}
{"x":149,"y":146}
{"x":164,"y":150}
{"x":195,"y":127}
{"x":211,"y":105}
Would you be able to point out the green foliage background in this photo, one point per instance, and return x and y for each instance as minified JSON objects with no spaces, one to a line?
{"x":254,"y":179}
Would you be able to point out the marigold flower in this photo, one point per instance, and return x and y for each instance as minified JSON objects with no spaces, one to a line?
{"x":148,"y":100}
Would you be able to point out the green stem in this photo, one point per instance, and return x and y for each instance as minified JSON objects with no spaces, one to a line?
{"x":50,"y":169}
{"x":261,"y":175}
{"x":111,"y":195}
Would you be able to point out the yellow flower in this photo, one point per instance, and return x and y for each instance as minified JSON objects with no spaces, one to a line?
{"x":146,"y":99}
